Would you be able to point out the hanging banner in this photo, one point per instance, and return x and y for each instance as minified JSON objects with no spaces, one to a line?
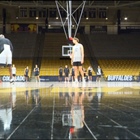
{"x":16,"y":27}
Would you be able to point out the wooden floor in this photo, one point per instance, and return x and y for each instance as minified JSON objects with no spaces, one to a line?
{"x":58,"y":110}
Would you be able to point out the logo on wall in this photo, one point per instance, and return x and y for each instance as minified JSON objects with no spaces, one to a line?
{"x":23,"y":27}
{"x":6,"y":78}
{"x":120,"y":78}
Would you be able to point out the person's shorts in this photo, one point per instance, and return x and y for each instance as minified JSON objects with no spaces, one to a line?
{"x":26,"y":75}
{"x":73,"y":74}
{"x":66,"y":75}
{"x":60,"y":74}
{"x":14,"y":75}
{"x":99,"y":76}
{"x":36,"y":74}
{"x":77,"y":64}
{"x":6,"y":56}
{"x":89,"y":74}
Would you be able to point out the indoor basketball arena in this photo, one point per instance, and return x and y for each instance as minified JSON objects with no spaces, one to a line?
{"x":70,"y":70}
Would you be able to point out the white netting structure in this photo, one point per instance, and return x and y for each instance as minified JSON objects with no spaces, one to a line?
{"x":69,"y":21}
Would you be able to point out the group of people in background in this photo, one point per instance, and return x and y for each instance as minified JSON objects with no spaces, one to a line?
{"x":66,"y":72}
{"x":69,"y":74}
{"x":26,"y":73}
{"x":77,"y":72}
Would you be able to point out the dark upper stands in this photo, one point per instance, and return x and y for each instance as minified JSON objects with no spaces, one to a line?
{"x":115,"y":46}
{"x":23,"y":43}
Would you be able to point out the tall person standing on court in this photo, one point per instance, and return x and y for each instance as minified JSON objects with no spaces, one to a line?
{"x":6,"y":49}
{"x":77,"y":58}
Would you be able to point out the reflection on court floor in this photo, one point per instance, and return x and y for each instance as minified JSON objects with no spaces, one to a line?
{"x":68,"y":111}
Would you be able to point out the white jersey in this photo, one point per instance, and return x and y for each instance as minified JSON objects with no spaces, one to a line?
{"x":6,"y":49}
{"x":6,"y":55}
{"x":13,"y":70}
{"x":77,"y":53}
{"x":99,"y":71}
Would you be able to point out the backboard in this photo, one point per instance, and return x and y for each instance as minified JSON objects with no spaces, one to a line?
{"x":66,"y":50}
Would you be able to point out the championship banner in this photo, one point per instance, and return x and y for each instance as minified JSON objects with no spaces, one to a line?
{"x":16,"y":27}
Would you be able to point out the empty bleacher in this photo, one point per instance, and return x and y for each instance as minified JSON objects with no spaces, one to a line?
{"x":52,"y":54}
{"x":49,"y":67}
{"x":116,"y":54}
{"x":23,"y":43}
{"x":120,"y":67}
{"x":124,"y":46}
{"x":53,"y":45}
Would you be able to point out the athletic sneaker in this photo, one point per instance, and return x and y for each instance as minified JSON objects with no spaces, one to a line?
{"x":84,"y":81}
{"x":76,"y":81}
{"x":11,"y":81}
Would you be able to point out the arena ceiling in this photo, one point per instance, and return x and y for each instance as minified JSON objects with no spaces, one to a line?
{"x":89,"y":4}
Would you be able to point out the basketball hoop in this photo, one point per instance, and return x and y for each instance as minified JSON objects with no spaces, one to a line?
{"x":66,"y":50}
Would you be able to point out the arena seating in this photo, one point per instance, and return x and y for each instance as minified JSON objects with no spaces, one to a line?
{"x":24,"y":46}
{"x":124,"y":46}
{"x":116,"y":54}
{"x":53,"y":45}
{"x":52,"y":54}
{"x":20,"y":65}
{"x":114,"y":58}
{"x":50,"y":66}
{"x":120,"y":66}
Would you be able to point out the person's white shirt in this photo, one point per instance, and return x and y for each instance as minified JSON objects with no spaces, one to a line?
{"x":99,"y":71}
{"x":13,"y":70}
